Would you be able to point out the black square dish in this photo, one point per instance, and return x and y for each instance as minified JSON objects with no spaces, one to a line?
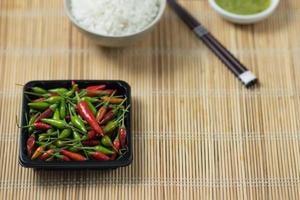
{"x":123,"y":89}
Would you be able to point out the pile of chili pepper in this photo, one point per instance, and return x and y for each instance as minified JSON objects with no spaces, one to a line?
{"x":76,"y":123}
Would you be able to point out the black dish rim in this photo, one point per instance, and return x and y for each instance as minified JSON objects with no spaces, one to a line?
{"x":114,"y":84}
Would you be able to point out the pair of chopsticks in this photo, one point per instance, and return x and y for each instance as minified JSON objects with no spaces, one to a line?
{"x":232,"y":63}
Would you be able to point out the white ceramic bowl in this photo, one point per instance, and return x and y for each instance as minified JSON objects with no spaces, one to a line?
{"x":244,"y":19}
{"x":115,"y":41}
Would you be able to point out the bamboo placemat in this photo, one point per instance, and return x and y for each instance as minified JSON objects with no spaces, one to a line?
{"x":198,"y":134}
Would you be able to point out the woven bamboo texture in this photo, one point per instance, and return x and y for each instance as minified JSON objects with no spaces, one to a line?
{"x":197,"y":132}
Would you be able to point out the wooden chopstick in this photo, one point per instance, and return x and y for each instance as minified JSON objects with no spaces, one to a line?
{"x":232,"y":63}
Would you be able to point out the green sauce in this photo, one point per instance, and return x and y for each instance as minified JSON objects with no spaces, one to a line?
{"x":244,"y":7}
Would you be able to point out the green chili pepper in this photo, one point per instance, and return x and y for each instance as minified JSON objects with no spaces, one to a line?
{"x":110,"y":126}
{"x":90,"y":99}
{"x":106,"y":141}
{"x":39,"y":90}
{"x":59,"y":90}
{"x":54,"y":133}
{"x":49,"y":131}
{"x":38,"y":105}
{"x":65,"y":133}
{"x":71,"y":109}
{"x":54,"y":99}
{"x":62,"y":109}
{"x":83,"y":121}
{"x":56,"y":115}
{"x":76,"y":136}
{"x":81,"y":94}
{"x":60,"y":124}
{"x":74,"y":149}
{"x":103,"y":150}
{"x":91,"y":107}
{"x":45,"y":136}
{"x":85,"y":137}
{"x":60,"y":143}
{"x":76,"y":121}
{"x":30,"y":123}
{"x":72,"y":91}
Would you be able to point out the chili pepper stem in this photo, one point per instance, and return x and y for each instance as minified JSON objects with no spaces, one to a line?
{"x":70,"y":102}
{"x":84,"y":151}
{"x":123,"y":115}
{"x":123,"y":122}
{"x":18,"y":125}
{"x":100,"y":104}
{"x":77,"y":97}
{"x":86,"y":148}
{"x":65,"y":96}
{"x":75,"y":129}
{"x":34,"y":94}
{"x":121,"y":155}
{"x":19,"y":84}
{"x":45,"y":144}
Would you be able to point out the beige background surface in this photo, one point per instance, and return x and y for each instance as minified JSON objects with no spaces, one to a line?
{"x":198,"y":134}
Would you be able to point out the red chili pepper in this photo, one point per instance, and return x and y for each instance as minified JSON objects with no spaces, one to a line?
{"x":113,"y":157}
{"x":91,"y":134}
{"x":37,"y":153}
{"x":40,"y":125}
{"x":103,"y":110}
{"x":68,"y":118}
{"x":101,"y":113}
{"x":72,"y":155}
{"x":30,"y":145}
{"x":66,"y":158}
{"x":47,"y":154}
{"x":62,"y":157}
{"x":96,"y":87}
{"x":110,"y":107}
{"x":116,"y":143}
{"x":87,"y":114}
{"x":47,"y":113}
{"x":39,"y":99}
{"x":91,"y":143}
{"x":123,"y":135}
{"x":109,"y":116}
{"x":99,"y":156}
{"x":109,"y":92}
{"x":93,"y":91}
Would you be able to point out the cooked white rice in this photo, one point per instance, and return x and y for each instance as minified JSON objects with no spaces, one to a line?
{"x":115,"y":17}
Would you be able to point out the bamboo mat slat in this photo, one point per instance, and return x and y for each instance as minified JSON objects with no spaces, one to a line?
{"x":198,"y":134}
